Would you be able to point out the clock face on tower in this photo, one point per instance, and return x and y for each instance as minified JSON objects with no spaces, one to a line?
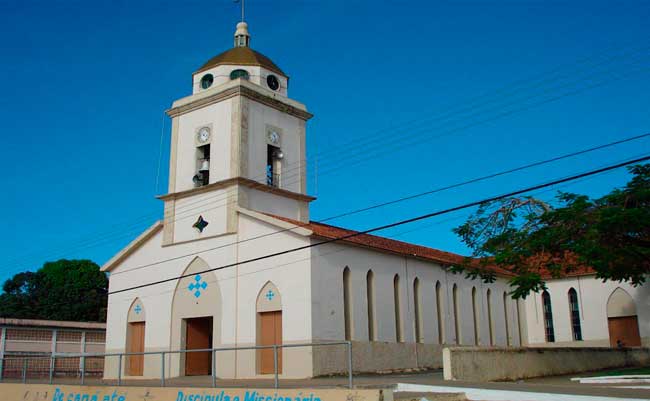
{"x":203,"y":135}
{"x":272,"y":82}
{"x":274,"y":137}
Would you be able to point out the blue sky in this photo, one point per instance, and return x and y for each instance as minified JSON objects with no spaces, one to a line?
{"x":431,"y":93}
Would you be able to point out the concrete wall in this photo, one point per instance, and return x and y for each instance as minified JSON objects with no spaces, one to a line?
{"x":593,"y":296}
{"x":376,"y":357}
{"x":494,"y":364}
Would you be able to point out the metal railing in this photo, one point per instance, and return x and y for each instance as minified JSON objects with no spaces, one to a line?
{"x":9,"y":365}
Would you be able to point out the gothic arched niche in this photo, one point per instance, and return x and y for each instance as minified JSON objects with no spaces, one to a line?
{"x":620,"y":303}
{"x":197,"y":303}
{"x":269,"y":298}
{"x":269,"y":328}
{"x":622,"y":321}
{"x":136,"y":312}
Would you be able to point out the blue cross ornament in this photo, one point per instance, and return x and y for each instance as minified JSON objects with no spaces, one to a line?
{"x":137,"y":309}
{"x":198,"y":285}
{"x":269,"y":295}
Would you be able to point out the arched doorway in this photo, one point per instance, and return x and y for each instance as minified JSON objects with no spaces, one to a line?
{"x":196,"y":320}
{"x":269,"y":328}
{"x":135,"y":330}
{"x":622,"y":320}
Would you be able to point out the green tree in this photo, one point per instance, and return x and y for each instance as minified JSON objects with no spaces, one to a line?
{"x":533,"y":240}
{"x":62,"y":290}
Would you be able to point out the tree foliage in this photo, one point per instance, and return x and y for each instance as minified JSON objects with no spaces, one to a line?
{"x":63,"y":290}
{"x":609,"y":235}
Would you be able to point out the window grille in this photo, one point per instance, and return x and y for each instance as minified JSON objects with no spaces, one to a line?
{"x":548,"y":317}
{"x":29,"y":335}
{"x":574,"y":309}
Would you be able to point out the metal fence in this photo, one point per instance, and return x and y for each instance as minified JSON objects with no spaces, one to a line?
{"x":81,"y":366}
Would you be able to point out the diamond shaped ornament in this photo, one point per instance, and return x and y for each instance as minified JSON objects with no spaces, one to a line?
{"x":200,"y":224}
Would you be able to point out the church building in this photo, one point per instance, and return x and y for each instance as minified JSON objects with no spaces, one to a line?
{"x":237,"y":193}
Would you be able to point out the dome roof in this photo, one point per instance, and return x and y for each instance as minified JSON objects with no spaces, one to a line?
{"x":242,"y":56}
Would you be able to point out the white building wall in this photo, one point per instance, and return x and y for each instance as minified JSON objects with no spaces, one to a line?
{"x":291,"y":130}
{"x":239,"y":287}
{"x":221,"y":75}
{"x":216,"y":116}
{"x":593,"y":295}
{"x":328,"y":263}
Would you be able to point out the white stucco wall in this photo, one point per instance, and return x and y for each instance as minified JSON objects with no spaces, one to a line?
{"x":238,"y":287}
{"x":328,"y":263}
{"x":218,"y":118}
{"x":291,"y":130}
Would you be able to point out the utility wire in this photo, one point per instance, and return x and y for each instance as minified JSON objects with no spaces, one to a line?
{"x":215,"y":279}
{"x":222,"y":196}
{"x":432,"y":191}
{"x":383,"y":227}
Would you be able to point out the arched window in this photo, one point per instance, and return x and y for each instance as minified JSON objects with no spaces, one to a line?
{"x":370,"y":297}
{"x":454,"y":293}
{"x":475,"y":314}
{"x":416,"y":309}
{"x":505,"y":317}
{"x":489,"y":315}
{"x":347,"y":303}
{"x":239,"y":73}
{"x":398,"y":315}
{"x":548,"y":317}
{"x":574,"y":309}
{"x":439,"y":314}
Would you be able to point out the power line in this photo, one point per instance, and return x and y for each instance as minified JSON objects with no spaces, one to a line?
{"x":222,"y":196}
{"x":386,"y":226}
{"x":432,"y":191}
{"x":337,"y":251}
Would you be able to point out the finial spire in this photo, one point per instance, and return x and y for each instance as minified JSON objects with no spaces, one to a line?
{"x":242,"y":37}
{"x":242,"y":8}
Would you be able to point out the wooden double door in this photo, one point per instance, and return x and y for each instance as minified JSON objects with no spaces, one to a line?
{"x":135,"y":363}
{"x":270,"y":334}
{"x":624,"y":332}
{"x":198,"y":335}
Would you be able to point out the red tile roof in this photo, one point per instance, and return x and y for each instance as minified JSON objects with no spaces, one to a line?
{"x":385,"y":244}
{"x":407,"y":249}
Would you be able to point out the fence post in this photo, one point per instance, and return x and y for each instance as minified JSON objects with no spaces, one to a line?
{"x":350,"y":364}
{"x":214,"y":368}
{"x":24,"y":370}
{"x":162,"y":370}
{"x":51,"y":373}
{"x":2,"y":367}
{"x":275,"y":365}
{"x":119,"y":370}
{"x":83,"y":369}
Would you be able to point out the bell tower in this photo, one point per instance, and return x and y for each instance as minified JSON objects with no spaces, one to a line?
{"x":238,"y":141}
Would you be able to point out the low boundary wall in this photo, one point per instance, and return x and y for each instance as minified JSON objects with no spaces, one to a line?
{"x":377,"y":357}
{"x":44,"y":392}
{"x":496,"y":364}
